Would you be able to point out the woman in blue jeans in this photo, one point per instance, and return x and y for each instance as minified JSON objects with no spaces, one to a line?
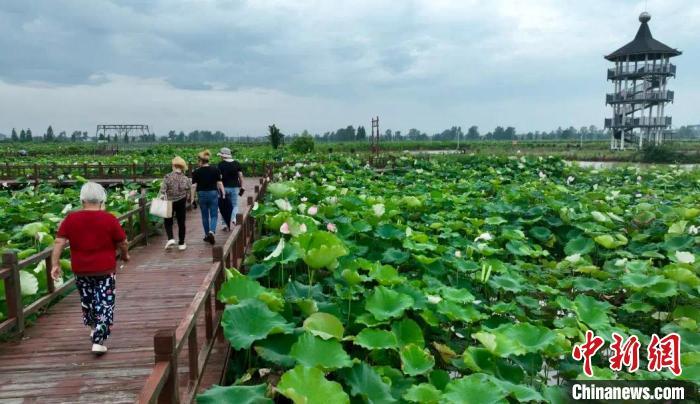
{"x":206,"y":180}
{"x":232,"y":178}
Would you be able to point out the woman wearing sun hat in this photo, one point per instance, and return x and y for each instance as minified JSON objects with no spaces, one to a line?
{"x":176,"y":188}
{"x":206,"y":180}
{"x":232,"y":178}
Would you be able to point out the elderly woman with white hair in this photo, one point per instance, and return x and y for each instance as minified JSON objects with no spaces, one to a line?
{"x":94,"y":236}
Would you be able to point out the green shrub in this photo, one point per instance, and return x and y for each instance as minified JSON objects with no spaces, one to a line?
{"x":303,"y":144}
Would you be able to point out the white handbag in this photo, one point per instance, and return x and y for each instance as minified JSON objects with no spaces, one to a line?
{"x":161,"y":207}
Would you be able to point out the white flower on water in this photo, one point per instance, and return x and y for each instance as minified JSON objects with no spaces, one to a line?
{"x":484,"y":236}
{"x":378,"y":209}
{"x":433,"y":299}
{"x":595,"y":187}
{"x":685,"y":257}
{"x":638,"y":195}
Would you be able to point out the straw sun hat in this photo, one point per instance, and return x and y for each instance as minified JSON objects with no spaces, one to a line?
{"x":204,"y":155}
{"x":180,"y":163}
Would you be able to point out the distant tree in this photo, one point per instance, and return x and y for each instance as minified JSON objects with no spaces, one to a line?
{"x":48,"y":136}
{"x":62,"y":136}
{"x":473,"y":133}
{"x":388,"y":134}
{"x":361,"y":133}
{"x":29,"y":135}
{"x":509,"y":133}
{"x":276,"y":136}
{"x":22,"y":136}
{"x":14,"y":136}
{"x":101,"y":137}
{"x":303,"y":143}
{"x":85,"y":136}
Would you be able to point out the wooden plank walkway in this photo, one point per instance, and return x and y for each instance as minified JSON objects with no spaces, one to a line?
{"x":53,"y":362}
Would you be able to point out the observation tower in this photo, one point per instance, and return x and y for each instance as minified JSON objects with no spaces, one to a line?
{"x":642,"y":70}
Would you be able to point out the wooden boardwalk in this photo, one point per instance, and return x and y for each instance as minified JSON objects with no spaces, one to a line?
{"x":53,"y":363}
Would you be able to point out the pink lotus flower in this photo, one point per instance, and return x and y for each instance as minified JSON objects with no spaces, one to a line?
{"x":313,"y":210}
{"x":331,"y":228}
{"x":284,"y":229}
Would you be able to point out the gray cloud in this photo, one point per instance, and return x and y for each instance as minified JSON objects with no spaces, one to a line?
{"x":423,"y":63}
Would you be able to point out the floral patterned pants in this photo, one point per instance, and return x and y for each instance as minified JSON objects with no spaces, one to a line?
{"x":97,"y":300}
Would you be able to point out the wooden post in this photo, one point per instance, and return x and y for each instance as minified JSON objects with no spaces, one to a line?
{"x":143,"y":216}
{"x":85,"y":170}
{"x":36,"y":174}
{"x":13,"y":291}
{"x":208,"y":318}
{"x":100,"y":170}
{"x":250,"y":201}
{"x":164,"y":347}
{"x":217,"y":253}
{"x":133,"y":171}
{"x":257,"y":189}
{"x":50,"y":286}
{"x":239,"y":219}
{"x":193,"y":352}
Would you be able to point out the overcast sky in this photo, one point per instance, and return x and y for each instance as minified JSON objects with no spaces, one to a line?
{"x":238,"y":66}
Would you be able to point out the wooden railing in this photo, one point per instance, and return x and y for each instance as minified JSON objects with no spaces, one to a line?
{"x":38,"y":172}
{"x":11,"y":266}
{"x":164,"y":384}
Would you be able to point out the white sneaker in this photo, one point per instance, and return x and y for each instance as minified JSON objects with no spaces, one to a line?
{"x":169,"y":244}
{"x":98,"y":349}
{"x":92,"y":333}
{"x":182,"y":247}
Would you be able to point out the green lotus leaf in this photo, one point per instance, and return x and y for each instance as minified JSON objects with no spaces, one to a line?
{"x":407,"y":332}
{"x":280,"y":189}
{"x":235,"y":394}
{"x":385,"y":303}
{"x":275,"y":348}
{"x":580,"y":245}
{"x":423,"y":393}
{"x":320,"y":249}
{"x":520,"y":392}
{"x":33,"y":229}
{"x":324,"y":325}
{"x":371,"y":338}
{"x":389,"y":232}
{"x":610,"y":242}
{"x":416,"y":360}
{"x":249,"y":321}
{"x":238,"y":289}
{"x":473,"y":389}
{"x":425,"y":260}
{"x":466,"y":313}
{"x":365,"y":383}
{"x":461,"y":296}
{"x":506,"y":283}
{"x":386,"y":275}
{"x":516,"y":339}
{"x":592,"y":312}
{"x":662,"y":289}
{"x":676,"y":243}
{"x":632,"y":307}
{"x":682,"y":275}
{"x":638,"y":281}
{"x":495,"y":220}
{"x":395,"y":256}
{"x":305,"y":385}
{"x":313,"y":351}
{"x":540,"y":233}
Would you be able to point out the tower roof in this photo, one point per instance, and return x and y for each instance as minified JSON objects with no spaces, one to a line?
{"x":642,"y":44}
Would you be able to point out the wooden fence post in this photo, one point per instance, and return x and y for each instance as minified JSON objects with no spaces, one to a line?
{"x":13,"y":291}
{"x":143,"y":216}
{"x":250,"y":200}
{"x":218,"y":256}
{"x":36,"y":174}
{"x":100,"y":170}
{"x":164,"y":347}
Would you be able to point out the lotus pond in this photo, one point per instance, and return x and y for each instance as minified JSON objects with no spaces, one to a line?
{"x":458,"y":280}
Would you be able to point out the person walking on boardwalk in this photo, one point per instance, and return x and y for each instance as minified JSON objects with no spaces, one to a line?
{"x":94,"y":235}
{"x":206,"y":181}
{"x":176,"y":188}
{"x":232,"y":178}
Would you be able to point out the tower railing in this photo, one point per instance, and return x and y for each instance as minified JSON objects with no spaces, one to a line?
{"x":650,"y":96}
{"x":629,"y":122}
{"x":641,"y":69}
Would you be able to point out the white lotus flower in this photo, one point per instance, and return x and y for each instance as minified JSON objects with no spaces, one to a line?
{"x":256,"y":206}
{"x":284,"y":205}
{"x":302,"y":228}
{"x":331,"y":227}
{"x":313,"y":210}
{"x":484,"y":236}
{"x":685,"y":257}
{"x":297,"y":175}
{"x":693,"y":230}
{"x":284,"y":229}
{"x":458,"y":254}
{"x":542,"y":175}
{"x":66,"y":209}
{"x":378,"y":209}
{"x":304,"y":199}
{"x":569,"y":180}
{"x":433,"y":299}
